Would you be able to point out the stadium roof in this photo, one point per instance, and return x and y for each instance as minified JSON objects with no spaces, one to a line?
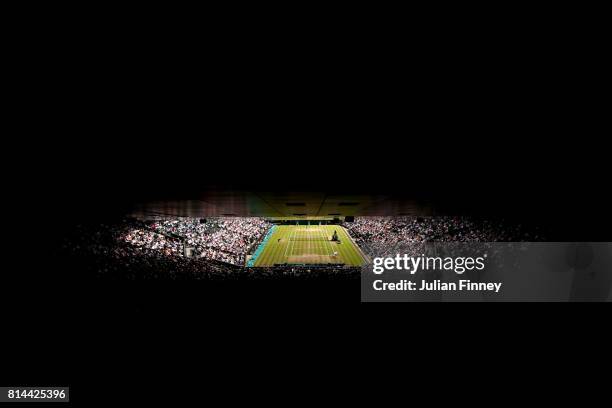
{"x":280,"y":204}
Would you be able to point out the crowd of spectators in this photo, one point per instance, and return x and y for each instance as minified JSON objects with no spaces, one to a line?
{"x":132,"y":249}
{"x":127,"y":250}
{"x":380,"y":236}
{"x":222,"y":239}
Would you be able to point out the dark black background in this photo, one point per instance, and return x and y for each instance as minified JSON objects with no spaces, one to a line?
{"x":495,"y":129}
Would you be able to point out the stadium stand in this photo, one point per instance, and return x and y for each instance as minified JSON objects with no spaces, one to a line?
{"x":132,"y":249}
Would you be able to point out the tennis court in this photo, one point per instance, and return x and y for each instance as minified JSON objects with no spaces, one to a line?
{"x":309,"y":244}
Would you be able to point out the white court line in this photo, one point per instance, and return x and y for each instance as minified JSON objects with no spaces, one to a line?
{"x":295,"y":238}
{"x":296,"y":232}
{"x":288,"y":243}
{"x":319,"y":245}
{"x":286,"y":247}
{"x":328,"y":243}
{"x":322,"y":233}
{"x":311,"y":245}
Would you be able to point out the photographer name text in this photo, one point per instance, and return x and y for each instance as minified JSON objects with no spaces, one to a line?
{"x":436,"y":285}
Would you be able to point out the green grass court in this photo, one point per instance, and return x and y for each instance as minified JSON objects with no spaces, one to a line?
{"x":309,"y":244}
